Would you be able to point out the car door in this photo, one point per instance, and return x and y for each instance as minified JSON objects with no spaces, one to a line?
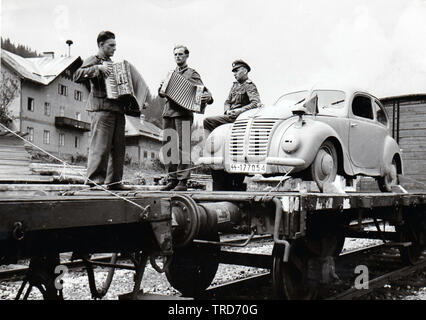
{"x":366,"y":135}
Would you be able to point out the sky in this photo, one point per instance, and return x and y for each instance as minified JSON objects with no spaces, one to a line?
{"x":375,"y":45}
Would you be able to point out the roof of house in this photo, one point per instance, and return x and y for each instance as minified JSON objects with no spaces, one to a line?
{"x":42,"y":70}
{"x":136,"y":127}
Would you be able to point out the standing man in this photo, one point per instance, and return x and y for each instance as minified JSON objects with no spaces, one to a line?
{"x":242,"y":97}
{"x":107,"y":147}
{"x":180,"y":119}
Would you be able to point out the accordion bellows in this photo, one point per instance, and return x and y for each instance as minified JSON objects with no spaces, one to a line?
{"x":183,"y":92}
{"x":126,"y":84}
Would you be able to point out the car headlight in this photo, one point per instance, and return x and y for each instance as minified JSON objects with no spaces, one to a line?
{"x":290,"y":143}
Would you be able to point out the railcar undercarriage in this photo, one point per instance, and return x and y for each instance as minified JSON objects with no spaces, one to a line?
{"x":308,"y":231}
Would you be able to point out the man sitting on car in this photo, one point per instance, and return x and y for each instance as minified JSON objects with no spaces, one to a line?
{"x":242,"y":97}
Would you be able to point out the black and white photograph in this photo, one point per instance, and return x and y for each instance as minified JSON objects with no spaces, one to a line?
{"x":217,"y":156}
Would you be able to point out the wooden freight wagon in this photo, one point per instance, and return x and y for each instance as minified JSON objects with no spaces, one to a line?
{"x":407,"y":115}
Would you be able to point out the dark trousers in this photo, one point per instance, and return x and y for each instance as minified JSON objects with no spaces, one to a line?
{"x":212,"y":123}
{"x":107,"y":147}
{"x":177,"y":150}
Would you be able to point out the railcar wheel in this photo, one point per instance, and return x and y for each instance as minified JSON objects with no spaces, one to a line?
{"x":224,"y":181}
{"x":324,"y":167}
{"x":390,"y":179}
{"x":193,"y":267}
{"x":290,"y":279}
{"x":41,"y":274}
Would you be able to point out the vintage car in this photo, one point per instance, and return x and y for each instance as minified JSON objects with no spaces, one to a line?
{"x":316,"y":134}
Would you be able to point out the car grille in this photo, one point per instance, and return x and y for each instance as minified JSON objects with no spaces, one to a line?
{"x":250,"y":137}
{"x":238,"y":133}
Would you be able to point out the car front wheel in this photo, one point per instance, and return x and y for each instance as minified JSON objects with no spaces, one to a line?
{"x":390,"y":179}
{"x":324,"y":167}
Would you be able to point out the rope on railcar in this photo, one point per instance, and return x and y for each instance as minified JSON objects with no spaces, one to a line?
{"x":285,"y":177}
{"x":67,"y":165}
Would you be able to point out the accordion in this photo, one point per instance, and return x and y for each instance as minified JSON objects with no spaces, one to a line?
{"x":125,"y":84}
{"x":183,"y":92}
{"x":119,"y":82}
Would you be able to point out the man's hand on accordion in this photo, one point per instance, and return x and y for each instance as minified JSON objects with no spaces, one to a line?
{"x":206,"y":97}
{"x":105,"y":71}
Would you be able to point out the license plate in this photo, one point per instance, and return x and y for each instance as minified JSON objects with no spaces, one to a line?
{"x":248,"y":167}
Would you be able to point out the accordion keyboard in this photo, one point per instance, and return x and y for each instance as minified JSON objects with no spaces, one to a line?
{"x":119,"y":82}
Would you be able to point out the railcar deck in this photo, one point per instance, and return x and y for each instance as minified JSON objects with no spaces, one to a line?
{"x":22,"y":215}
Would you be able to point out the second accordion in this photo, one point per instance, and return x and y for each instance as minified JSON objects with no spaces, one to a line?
{"x":183,"y":92}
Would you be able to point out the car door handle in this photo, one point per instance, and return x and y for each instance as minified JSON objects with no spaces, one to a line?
{"x":354,"y":125}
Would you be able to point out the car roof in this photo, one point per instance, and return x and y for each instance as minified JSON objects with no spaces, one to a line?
{"x":349,"y":90}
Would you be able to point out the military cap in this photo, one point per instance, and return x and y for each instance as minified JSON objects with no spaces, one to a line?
{"x":240,"y":63}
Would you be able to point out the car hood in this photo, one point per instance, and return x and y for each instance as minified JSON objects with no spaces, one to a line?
{"x":267,"y":112}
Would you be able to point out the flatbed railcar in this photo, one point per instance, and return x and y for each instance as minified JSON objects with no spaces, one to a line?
{"x":308,"y":230}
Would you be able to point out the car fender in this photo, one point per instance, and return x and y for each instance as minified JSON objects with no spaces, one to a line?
{"x":219,"y":135}
{"x":390,"y":149}
{"x":311,"y":135}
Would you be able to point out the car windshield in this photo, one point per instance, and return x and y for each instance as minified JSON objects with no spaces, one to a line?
{"x":290,"y":99}
{"x":328,"y":100}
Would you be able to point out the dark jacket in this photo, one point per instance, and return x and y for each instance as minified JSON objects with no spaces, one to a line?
{"x":243,"y":95}
{"x":89,"y":71}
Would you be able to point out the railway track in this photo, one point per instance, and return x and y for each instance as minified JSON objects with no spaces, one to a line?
{"x":259,"y":286}
{"x":18,"y":271}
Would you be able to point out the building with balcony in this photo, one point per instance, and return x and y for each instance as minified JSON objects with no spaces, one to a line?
{"x":48,"y":105}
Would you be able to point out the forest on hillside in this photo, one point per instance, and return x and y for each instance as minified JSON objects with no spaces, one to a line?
{"x":19,"y":49}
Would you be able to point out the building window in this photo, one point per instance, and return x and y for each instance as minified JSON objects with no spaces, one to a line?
{"x":47,"y":109}
{"x":78,"y":95}
{"x":30,"y":105}
{"x":61,"y":139}
{"x":145,"y":154}
{"x":62,"y":90}
{"x":30,"y":131}
{"x":76,"y":142}
{"x":62,"y":111}
{"x":152,"y":155}
{"x":46,"y":137}
{"x":78,"y":116}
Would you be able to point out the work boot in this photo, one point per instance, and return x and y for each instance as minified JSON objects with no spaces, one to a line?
{"x":172,"y":184}
{"x":118,"y":186}
{"x":93,"y":185}
{"x":181,"y":186}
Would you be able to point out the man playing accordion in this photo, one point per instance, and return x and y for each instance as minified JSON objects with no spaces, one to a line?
{"x":179,"y":119}
{"x":107,"y":146}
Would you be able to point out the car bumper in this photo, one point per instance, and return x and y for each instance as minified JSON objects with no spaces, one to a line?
{"x":210,"y":161}
{"x":292,"y":162}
